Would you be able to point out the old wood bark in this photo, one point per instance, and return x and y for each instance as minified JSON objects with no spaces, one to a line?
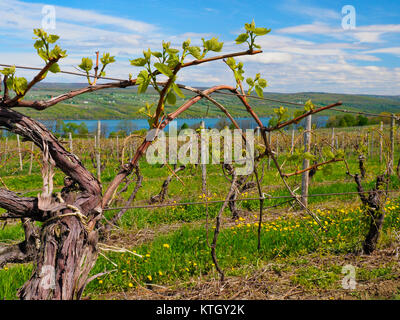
{"x":66,"y":250}
{"x":373,"y":203}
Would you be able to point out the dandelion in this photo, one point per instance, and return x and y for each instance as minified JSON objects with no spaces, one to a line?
{"x":160,"y":273}
{"x":148,"y":255}
{"x":100,"y":281}
{"x":130,"y":284}
{"x":149,"y":277}
{"x":166,"y":245}
{"x":5,"y":268}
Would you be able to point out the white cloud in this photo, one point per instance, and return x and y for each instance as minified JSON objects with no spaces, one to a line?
{"x":289,"y":62}
{"x":268,"y":57}
{"x":364,"y":34}
{"x":390,"y":50}
{"x":314,"y":12}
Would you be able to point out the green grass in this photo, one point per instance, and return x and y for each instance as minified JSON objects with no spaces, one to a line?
{"x":11,"y":279}
{"x":313,"y":277}
{"x":184,"y":253}
{"x":188,"y":254}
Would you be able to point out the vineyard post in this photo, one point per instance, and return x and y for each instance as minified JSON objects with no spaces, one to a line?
{"x":98,"y":162}
{"x":5,"y":149}
{"x":372,"y":144}
{"x":269,"y":142}
{"x":368,"y":149}
{"x":19,"y":153}
{"x":117,"y":147}
{"x":31,"y":160}
{"x":333,"y":140}
{"x":381,"y":143}
{"x":391,"y":161}
{"x":306,"y":162}
{"x":277,"y":144}
{"x":203,"y":161}
{"x":292,"y":144}
{"x":258,"y":133}
{"x":70,"y":142}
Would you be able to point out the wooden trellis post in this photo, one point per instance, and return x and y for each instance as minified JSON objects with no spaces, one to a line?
{"x":372,"y":144}
{"x":306,"y":162}
{"x":269,"y":142}
{"x":333,"y":140}
{"x":117,"y":149}
{"x":391,"y":160}
{"x":19,"y":153}
{"x":381,"y":143}
{"x":31,"y":160}
{"x":70,"y":142}
{"x":292,"y":144}
{"x":98,"y":160}
{"x":5,"y":150}
{"x":277,"y":145}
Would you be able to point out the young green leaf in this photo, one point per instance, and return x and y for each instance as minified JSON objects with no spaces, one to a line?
{"x":171,"y":98}
{"x":164,"y":69}
{"x":250,"y":82}
{"x":308,"y":106}
{"x":156,"y":54}
{"x":86,"y":64}
{"x":261,"y":31}
{"x":262,"y":82}
{"x":186,"y":44}
{"x":242,"y":38}
{"x":195,"y":52}
{"x":259,"y":91}
{"x":309,"y":156}
{"x":55,"y":68}
{"x":178,"y":90}
{"x":52,"y":38}
{"x":8,"y":71}
{"x":139,"y":62}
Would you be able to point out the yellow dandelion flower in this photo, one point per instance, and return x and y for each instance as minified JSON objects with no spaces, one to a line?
{"x":149,"y":277}
{"x":130,"y":284}
{"x":166,"y":245}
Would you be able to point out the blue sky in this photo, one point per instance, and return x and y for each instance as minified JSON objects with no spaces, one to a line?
{"x":307,"y":49}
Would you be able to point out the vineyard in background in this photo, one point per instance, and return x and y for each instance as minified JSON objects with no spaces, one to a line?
{"x":164,"y":234}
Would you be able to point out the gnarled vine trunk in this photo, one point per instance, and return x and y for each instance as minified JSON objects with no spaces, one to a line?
{"x":65,"y":251}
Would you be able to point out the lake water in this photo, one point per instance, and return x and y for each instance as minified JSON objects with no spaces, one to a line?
{"x":137,"y":124}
